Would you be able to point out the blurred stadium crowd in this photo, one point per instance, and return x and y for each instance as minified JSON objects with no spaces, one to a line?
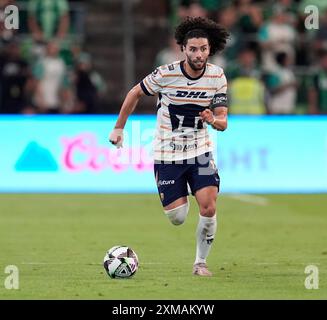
{"x":274,"y":65}
{"x":43,"y":67}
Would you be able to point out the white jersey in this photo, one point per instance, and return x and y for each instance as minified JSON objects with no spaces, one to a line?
{"x":180,"y":132}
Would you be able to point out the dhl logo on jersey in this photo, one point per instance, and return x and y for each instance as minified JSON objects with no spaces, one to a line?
{"x":192,"y":94}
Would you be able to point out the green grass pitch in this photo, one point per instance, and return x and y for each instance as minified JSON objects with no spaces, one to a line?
{"x":262,"y":247}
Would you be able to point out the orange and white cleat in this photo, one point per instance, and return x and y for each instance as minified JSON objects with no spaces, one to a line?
{"x":201,"y":269}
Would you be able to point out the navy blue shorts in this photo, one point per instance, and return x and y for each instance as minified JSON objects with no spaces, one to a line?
{"x":172,"y":178}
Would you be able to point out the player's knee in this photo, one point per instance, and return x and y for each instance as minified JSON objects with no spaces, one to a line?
{"x":178,"y":215}
{"x":176,"y":221}
{"x":208,"y":210}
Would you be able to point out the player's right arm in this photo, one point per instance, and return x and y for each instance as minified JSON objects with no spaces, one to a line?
{"x":132,"y":98}
{"x":150,"y":85}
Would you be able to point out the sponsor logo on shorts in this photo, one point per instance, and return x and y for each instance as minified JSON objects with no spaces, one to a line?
{"x":165,"y":182}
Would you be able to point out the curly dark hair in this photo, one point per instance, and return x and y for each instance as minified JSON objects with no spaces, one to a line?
{"x":199,"y":27}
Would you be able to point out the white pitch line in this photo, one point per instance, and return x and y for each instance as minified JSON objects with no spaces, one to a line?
{"x":53,"y":263}
{"x":78,"y":263}
{"x":249,"y":198}
{"x":166,"y":263}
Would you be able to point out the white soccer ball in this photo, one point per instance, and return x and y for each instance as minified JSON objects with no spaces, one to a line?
{"x":120,"y":262}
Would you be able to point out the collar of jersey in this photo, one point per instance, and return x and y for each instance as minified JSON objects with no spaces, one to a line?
{"x":189,"y":77}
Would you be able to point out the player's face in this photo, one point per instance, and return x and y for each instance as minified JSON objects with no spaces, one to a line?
{"x":197,"y":52}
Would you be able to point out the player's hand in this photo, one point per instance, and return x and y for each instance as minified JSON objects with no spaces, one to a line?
{"x":116,"y":137}
{"x":207,"y":116}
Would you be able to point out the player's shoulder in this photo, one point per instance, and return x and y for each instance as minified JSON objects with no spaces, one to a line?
{"x":169,"y":68}
{"x":215,"y":70}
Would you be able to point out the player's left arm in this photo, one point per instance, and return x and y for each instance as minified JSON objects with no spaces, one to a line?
{"x":220,"y":118}
{"x":216,"y":118}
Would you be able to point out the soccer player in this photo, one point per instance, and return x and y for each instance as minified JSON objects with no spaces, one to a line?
{"x":191,"y":96}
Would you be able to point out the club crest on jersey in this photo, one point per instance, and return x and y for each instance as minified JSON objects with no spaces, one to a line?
{"x":192,"y":94}
{"x":171,"y":67}
{"x":155,"y":72}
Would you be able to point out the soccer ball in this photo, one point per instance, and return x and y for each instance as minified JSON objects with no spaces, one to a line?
{"x":120,"y":262}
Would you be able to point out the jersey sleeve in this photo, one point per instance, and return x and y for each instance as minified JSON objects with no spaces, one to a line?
{"x":153,"y":83}
{"x":220,"y":97}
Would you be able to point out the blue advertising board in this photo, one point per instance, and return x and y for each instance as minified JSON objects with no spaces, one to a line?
{"x":71,"y":154}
